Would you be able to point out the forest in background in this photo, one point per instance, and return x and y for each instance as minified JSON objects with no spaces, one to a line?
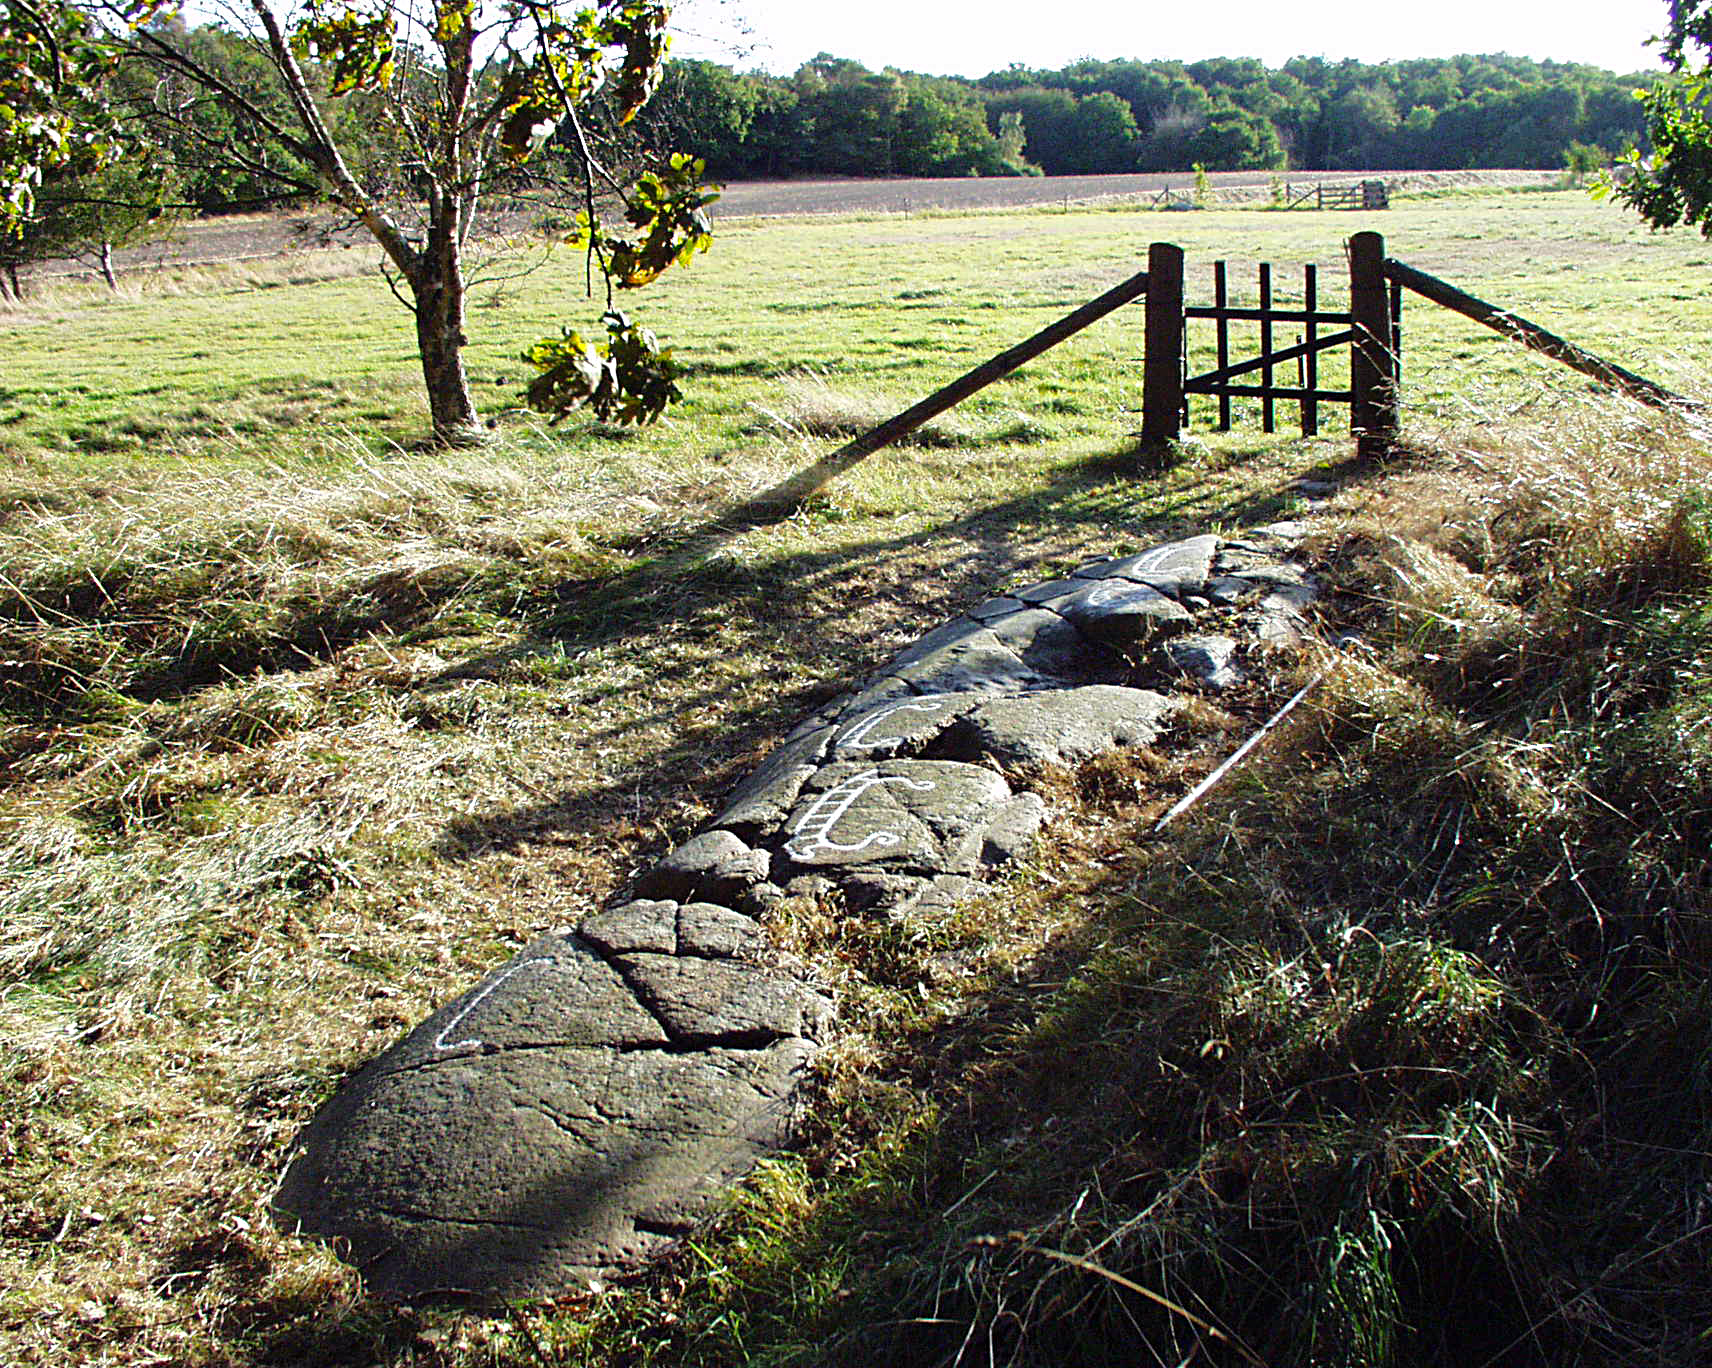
{"x":834,"y":117}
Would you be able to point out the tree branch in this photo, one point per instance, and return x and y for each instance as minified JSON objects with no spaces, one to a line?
{"x":167,"y":55}
{"x":324,"y":152}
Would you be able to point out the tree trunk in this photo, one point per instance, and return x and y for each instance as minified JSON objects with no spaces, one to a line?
{"x":107,"y":265}
{"x":439,"y":297}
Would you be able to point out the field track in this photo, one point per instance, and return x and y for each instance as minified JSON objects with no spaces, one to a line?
{"x":244,"y":237}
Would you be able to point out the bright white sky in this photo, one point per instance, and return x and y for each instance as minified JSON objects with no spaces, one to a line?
{"x":973,"y":37}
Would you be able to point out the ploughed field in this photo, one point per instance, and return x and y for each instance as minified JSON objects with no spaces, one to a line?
{"x":304,"y":730}
{"x":246,"y":237}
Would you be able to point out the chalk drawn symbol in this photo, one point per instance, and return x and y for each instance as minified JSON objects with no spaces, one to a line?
{"x":813,"y":830}
{"x":862,"y":733}
{"x":440,"y":1041}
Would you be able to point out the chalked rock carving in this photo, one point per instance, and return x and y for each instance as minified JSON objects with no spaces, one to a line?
{"x":584,"y":1106}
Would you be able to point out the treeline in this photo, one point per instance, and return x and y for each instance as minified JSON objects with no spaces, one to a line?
{"x":836,"y":117}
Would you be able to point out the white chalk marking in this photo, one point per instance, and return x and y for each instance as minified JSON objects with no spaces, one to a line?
{"x":440,"y":1041}
{"x":827,"y":811}
{"x":861,"y":734}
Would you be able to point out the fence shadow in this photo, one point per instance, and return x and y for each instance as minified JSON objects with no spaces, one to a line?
{"x":751,"y":605}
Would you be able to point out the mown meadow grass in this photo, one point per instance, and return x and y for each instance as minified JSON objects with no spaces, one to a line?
{"x":304,"y":727}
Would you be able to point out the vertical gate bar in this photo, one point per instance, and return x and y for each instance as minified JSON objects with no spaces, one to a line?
{"x":1221,"y":300}
{"x":1372,"y":368}
{"x":1183,"y":373}
{"x":1266,"y":424}
{"x":1162,"y":363}
{"x":1311,"y":302}
{"x":1396,"y":331}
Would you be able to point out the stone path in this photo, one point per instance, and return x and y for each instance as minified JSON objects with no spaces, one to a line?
{"x":583,"y":1106}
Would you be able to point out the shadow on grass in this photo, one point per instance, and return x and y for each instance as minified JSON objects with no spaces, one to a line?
{"x":1199,"y":1110}
{"x":820,"y":604}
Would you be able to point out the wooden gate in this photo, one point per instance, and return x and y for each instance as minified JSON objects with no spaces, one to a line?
{"x":1309,"y":343}
{"x":1371,"y":328}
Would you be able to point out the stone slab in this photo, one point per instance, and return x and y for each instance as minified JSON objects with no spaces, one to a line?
{"x":713,"y":865}
{"x":1176,"y":568}
{"x":913,"y":814}
{"x":1002,"y":606}
{"x":644,"y":924}
{"x":899,"y":727}
{"x":525,"y":1172}
{"x":963,"y":656}
{"x":558,"y":989}
{"x":879,"y":892}
{"x":1120,"y":612}
{"x":711,"y":1002}
{"x":1209,"y":659}
{"x":1064,"y":726}
{"x":1054,"y":643}
{"x":715,"y":932}
{"x":759,"y":803}
{"x":1012,"y":832}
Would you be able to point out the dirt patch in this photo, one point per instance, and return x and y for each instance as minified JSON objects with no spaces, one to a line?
{"x":783,"y":198}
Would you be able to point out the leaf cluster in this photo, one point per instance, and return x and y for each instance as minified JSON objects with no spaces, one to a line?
{"x":629,"y":378}
{"x":354,"y":49}
{"x":669,"y":205}
{"x":53,"y":113}
{"x":1674,"y":185}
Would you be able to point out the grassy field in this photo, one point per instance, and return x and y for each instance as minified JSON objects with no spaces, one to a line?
{"x":305,"y":727}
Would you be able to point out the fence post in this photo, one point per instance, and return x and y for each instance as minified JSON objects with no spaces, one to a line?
{"x":1372,"y":366}
{"x":1162,"y":364}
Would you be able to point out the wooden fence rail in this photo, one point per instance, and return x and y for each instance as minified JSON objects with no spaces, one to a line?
{"x":1532,"y":335}
{"x":1371,"y":328}
{"x":806,"y":482}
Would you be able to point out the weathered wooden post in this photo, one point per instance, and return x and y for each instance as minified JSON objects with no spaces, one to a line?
{"x":1372,"y":364}
{"x":1311,"y":363}
{"x":1162,"y":365}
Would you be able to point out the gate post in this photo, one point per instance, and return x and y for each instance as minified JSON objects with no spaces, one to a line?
{"x":1373,"y":368}
{"x":1162,"y":363}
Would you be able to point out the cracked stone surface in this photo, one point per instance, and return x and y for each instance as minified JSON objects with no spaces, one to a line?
{"x":926,"y":815}
{"x":585,"y":1105}
{"x":714,"y":864}
{"x":1206,"y":658}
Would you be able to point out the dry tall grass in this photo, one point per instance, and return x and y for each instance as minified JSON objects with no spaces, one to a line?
{"x":1395,"y":1052}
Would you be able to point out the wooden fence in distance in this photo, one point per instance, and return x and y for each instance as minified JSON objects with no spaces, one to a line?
{"x":1367,"y":194}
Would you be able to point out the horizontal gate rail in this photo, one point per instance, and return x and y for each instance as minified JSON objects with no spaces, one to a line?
{"x":1273,"y":392}
{"x":1246,"y":315}
{"x":1341,"y":329}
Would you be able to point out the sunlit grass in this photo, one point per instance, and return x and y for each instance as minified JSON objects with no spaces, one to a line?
{"x":304,"y":727}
